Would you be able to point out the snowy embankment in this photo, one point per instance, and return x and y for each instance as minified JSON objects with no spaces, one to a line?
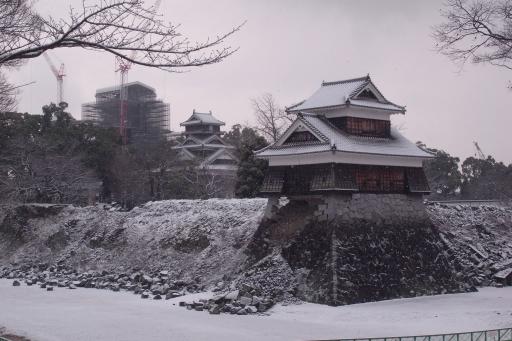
{"x":179,"y":246}
{"x":89,"y":314}
{"x":479,"y":238}
{"x":198,"y":241}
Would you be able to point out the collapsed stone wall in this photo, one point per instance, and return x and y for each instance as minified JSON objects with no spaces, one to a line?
{"x":359,"y":248}
{"x":325,"y":249}
{"x":198,"y":241}
{"x":478,"y":237}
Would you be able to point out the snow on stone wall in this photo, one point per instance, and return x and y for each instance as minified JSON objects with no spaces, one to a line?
{"x":479,"y":237}
{"x":295,"y":252}
{"x":191,"y":238}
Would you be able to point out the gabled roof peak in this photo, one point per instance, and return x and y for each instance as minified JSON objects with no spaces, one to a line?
{"x":198,"y":118}
{"x":344,"y":93}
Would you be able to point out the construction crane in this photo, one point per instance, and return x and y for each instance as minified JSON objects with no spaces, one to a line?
{"x":123,"y":68}
{"x":479,"y":151}
{"x":59,"y":75}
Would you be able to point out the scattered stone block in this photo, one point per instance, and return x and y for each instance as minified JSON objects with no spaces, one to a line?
{"x":231,"y":296}
{"x":215,"y":309}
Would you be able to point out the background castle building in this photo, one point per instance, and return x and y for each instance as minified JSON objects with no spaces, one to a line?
{"x":203,"y":143}
{"x":342,"y":141}
{"x":147,"y":118}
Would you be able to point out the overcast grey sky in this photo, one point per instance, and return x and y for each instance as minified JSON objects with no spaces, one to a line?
{"x":287,"y":48}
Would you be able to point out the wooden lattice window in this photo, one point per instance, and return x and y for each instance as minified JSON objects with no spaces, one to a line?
{"x":323,"y":178}
{"x":345,"y":177}
{"x":417,"y":181}
{"x":298,"y":180}
{"x":300,"y":137}
{"x":273,"y":181}
{"x":380,"y":179}
{"x":363,"y":126}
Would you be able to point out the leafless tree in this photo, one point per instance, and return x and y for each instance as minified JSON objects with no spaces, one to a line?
{"x":7,"y":95}
{"x":271,"y":119}
{"x":205,"y":183}
{"x":125,"y":28}
{"x":476,"y":30}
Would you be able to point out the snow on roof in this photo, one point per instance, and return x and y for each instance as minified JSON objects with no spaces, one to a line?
{"x":202,"y":118}
{"x":218,"y":153}
{"x":344,"y":93}
{"x":331,"y":136}
{"x":116,"y":87}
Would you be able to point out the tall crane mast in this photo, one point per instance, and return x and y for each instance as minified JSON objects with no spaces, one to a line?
{"x":479,"y":151}
{"x":59,"y":75}
{"x":123,"y":68}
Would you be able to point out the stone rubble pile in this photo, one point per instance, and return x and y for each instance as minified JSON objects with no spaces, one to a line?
{"x":156,"y":285}
{"x":245,"y":301}
{"x":287,"y":261}
{"x":478,"y":237}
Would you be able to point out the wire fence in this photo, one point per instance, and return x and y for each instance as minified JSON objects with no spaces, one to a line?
{"x":504,"y":334}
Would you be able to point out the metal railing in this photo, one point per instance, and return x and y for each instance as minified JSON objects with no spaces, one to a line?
{"x":504,"y":334}
{"x":499,"y":203}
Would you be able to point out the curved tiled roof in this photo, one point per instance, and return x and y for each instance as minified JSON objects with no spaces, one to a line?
{"x":202,"y":118}
{"x":338,"y":140}
{"x":344,"y":93}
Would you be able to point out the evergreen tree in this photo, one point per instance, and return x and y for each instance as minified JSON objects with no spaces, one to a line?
{"x":486,"y":179}
{"x":251,"y":170}
{"x":443,"y":174}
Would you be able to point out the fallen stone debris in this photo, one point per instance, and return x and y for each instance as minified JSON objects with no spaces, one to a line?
{"x":479,"y":238}
{"x":240,"y":302}
{"x":155,"y":285}
{"x":167,"y":249}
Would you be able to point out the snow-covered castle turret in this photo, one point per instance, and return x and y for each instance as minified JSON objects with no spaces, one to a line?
{"x":342,"y":141}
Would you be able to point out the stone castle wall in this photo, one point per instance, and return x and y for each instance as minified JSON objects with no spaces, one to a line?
{"x":352,"y":248}
{"x":380,"y":209}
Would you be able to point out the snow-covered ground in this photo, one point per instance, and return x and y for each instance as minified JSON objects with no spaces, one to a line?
{"x":89,"y":314}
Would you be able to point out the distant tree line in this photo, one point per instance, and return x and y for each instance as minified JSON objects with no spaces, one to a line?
{"x":474,"y":178}
{"x":52,"y":158}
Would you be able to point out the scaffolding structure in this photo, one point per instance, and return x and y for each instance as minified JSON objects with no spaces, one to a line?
{"x":147,"y":118}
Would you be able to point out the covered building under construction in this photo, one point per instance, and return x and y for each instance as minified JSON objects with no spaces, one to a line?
{"x":147,"y":118}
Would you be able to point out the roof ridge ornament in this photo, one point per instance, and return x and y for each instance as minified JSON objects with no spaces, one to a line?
{"x":345,"y":81}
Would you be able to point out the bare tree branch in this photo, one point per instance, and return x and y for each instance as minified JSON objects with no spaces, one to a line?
{"x":271,"y":119}
{"x":476,"y":30}
{"x":120,"y":27}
